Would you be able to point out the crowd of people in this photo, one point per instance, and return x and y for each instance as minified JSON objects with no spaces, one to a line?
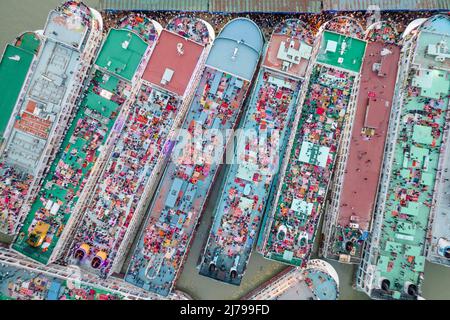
{"x":244,"y":195}
{"x":411,"y":187}
{"x":184,"y":187}
{"x":384,"y":32}
{"x":78,"y":8}
{"x":268,"y":21}
{"x":20,"y":284}
{"x":305,"y":180}
{"x":140,"y":24}
{"x":14,"y":187}
{"x":133,"y":159}
{"x":77,"y":155}
{"x":190,"y":28}
{"x":346,"y":26}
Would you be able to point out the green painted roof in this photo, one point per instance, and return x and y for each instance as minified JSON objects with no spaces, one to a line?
{"x":12,"y":76}
{"x":350,"y":59}
{"x":121,"y":53}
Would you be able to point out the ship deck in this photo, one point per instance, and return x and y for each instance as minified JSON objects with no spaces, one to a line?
{"x":410,"y":191}
{"x":239,"y":211}
{"x":190,"y":28}
{"x":141,"y":25}
{"x":310,"y":166}
{"x":341,"y":51}
{"x":441,"y":219}
{"x":73,"y":163}
{"x":21,"y":284}
{"x":126,"y":174}
{"x":184,"y":187}
{"x":366,"y":149}
{"x":43,"y":103}
{"x":44,"y":97}
{"x":411,"y":186}
{"x":195,"y":160}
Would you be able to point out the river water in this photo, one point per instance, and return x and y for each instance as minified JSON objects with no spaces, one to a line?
{"x":17,"y":16}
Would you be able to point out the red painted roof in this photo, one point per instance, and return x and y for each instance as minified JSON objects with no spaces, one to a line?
{"x":365,"y":157}
{"x":165,"y":56}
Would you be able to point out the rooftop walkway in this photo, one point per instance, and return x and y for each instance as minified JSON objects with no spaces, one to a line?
{"x":121,"y":53}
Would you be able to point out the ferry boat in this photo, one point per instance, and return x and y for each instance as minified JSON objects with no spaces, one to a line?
{"x":250,"y":179}
{"x":359,"y":166}
{"x":99,"y":113}
{"x":189,"y":176}
{"x":49,"y":93}
{"x":394,"y":259}
{"x":116,"y":206}
{"x":310,"y":157}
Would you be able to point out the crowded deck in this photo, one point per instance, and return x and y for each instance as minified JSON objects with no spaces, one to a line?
{"x":39,"y":102}
{"x":291,"y":233}
{"x":351,"y":211}
{"x":139,"y":151}
{"x":404,"y":229}
{"x":21,"y":284}
{"x":189,"y":175}
{"x":249,"y":180}
{"x":191,"y":28}
{"x":71,"y":168}
{"x":127,"y":171}
{"x":145,"y":28}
